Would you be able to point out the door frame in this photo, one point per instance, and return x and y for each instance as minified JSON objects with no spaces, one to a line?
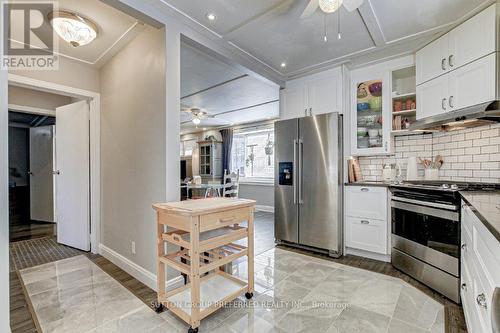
{"x":94,"y":100}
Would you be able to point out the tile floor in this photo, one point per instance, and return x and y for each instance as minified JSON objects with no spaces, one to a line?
{"x":294,"y":293}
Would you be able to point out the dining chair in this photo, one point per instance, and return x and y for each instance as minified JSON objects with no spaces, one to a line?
{"x":231,"y":184}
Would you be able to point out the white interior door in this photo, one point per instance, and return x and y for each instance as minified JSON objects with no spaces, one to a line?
{"x":41,"y":153}
{"x":72,"y":180}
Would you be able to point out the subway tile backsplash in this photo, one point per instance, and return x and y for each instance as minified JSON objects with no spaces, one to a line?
{"x":469,"y":155}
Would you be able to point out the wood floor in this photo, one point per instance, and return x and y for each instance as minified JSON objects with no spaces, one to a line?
{"x":38,"y":251}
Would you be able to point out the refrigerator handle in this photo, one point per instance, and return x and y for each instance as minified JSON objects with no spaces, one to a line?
{"x":300,"y":164}
{"x":294,"y":172}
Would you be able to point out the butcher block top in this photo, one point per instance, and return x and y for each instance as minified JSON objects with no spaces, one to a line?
{"x":203,"y":206}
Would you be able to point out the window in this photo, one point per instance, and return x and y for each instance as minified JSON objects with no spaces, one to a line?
{"x":253,"y":155}
{"x":187,"y":147}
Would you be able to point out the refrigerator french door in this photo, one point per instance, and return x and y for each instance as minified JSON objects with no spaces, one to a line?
{"x":308,"y":186}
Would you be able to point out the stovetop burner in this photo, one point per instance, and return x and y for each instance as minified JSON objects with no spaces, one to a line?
{"x":433,"y":185}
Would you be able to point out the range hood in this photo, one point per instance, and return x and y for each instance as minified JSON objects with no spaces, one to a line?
{"x":472,"y":116}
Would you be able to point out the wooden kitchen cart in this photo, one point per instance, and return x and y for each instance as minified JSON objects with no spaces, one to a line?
{"x":205,"y":232}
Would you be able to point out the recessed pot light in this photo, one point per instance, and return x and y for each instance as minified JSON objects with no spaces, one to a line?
{"x":211,"y":16}
{"x":283,"y":64}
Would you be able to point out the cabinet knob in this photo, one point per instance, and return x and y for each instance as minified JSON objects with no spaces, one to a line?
{"x":443,"y":104}
{"x":450,"y":60}
{"x":443,"y":64}
{"x":481,"y":300}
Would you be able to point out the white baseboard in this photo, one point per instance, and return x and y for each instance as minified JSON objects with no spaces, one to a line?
{"x":369,"y":255}
{"x":262,"y":208}
{"x":138,"y":272}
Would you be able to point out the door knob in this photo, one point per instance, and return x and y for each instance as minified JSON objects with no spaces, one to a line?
{"x":30,"y":173}
{"x":56,"y":172}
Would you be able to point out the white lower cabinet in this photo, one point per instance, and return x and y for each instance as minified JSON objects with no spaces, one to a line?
{"x":366,"y":234}
{"x":480,"y":271}
{"x":366,"y":222}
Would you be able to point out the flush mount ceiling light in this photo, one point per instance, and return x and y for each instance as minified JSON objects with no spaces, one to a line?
{"x":330,"y":6}
{"x":73,"y":28}
{"x":211,"y":16}
{"x":283,"y":64}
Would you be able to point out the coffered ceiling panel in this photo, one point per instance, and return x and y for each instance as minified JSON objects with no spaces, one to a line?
{"x":238,"y":94}
{"x":200,"y":71}
{"x":229,"y":13}
{"x":399,"y":19}
{"x":285,"y":37}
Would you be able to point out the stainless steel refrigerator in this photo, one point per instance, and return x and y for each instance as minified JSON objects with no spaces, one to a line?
{"x":308,"y":182}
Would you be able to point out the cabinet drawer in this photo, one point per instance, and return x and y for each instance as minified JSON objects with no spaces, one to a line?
{"x":222,"y":219}
{"x":366,"y":234}
{"x":367,"y":202}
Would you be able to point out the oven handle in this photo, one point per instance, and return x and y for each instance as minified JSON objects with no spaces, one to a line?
{"x":425,"y":203}
{"x":444,"y":214}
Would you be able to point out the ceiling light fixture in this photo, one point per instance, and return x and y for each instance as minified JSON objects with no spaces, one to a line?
{"x":283,"y":64}
{"x":211,"y":16}
{"x":329,"y":6}
{"x":73,"y":28}
{"x":196,"y":120}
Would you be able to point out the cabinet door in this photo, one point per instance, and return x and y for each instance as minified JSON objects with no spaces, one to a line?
{"x":325,"y":95}
{"x":371,"y":116}
{"x":473,"y":84}
{"x":432,"y":60}
{"x":367,"y":234}
{"x":473,"y":39}
{"x":374,"y":201}
{"x":294,"y":102}
{"x":432,"y":97}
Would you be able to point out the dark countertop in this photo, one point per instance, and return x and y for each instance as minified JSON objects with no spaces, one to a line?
{"x":369,"y":183}
{"x":486,"y":206}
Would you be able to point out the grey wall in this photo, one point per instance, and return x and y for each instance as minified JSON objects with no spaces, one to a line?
{"x":263,"y":194}
{"x":37,"y":99}
{"x":133,"y":155}
{"x":18,"y":155}
{"x":70,"y":73}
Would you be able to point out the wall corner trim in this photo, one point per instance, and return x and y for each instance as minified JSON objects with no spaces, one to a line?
{"x":262,"y":208}
{"x":138,"y":272}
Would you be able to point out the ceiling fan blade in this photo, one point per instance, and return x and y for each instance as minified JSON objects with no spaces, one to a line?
{"x":351,"y":5}
{"x":310,"y":9}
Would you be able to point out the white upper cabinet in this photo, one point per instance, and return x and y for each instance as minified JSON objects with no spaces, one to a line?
{"x":325,"y":94}
{"x":473,"y":39}
{"x":432,"y":60}
{"x":468,"y":42}
{"x":468,"y":71}
{"x":315,"y":94}
{"x":432,"y":97}
{"x":472,"y":84}
{"x":293,"y":102}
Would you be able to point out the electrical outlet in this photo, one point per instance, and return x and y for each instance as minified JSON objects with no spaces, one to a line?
{"x":133,"y":247}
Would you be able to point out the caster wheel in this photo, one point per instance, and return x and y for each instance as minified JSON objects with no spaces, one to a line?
{"x":248,"y":295}
{"x":193,"y":330}
{"x":158,"y":307}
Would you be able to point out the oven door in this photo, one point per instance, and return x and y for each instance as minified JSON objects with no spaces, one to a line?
{"x":429,"y":234}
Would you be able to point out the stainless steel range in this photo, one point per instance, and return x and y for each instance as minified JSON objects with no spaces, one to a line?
{"x":426,"y":234}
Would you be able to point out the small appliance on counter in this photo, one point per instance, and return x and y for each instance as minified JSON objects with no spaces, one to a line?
{"x":412,"y":169}
{"x":391,"y":172}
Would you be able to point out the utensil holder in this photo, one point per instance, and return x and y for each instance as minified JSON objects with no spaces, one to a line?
{"x":431,"y":174}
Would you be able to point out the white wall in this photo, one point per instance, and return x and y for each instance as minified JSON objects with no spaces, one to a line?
{"x":4,"y":199}
{"x":133,"y":155}
{"x":70,"y":73}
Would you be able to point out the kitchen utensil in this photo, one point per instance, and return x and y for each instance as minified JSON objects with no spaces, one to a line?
{"x":363,"y":106}
{"x":375,"y":102}
{"x":412,"y":169}
{"x":375,"y":88}
{"x":373,"y":133}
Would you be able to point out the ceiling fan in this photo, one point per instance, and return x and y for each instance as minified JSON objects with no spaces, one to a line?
{"x":330,"y":6}
{"x":197,"y":114}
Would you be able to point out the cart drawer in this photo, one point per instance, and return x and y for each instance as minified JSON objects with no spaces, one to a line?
{"x":222,"y":219}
